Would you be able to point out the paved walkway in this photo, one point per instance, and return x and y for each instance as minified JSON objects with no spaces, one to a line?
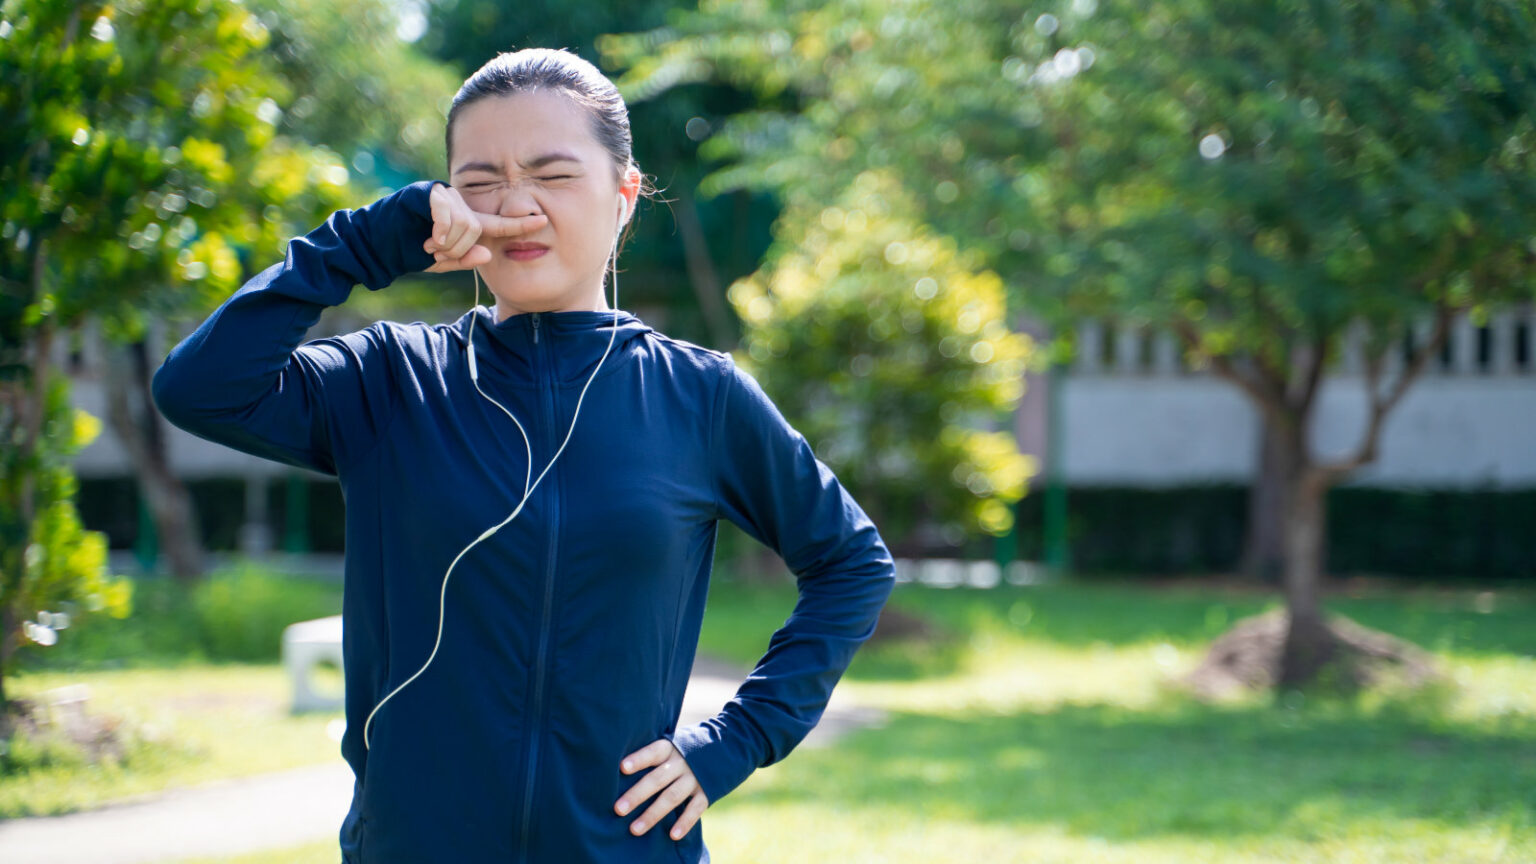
{"x":287,"y":808}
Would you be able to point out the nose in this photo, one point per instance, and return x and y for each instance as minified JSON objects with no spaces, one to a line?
{"x":520,"y":201}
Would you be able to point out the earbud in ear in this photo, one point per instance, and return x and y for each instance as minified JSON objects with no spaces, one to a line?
{"x":623,"y":208}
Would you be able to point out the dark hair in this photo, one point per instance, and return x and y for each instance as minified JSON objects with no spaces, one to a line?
{"x":530,"y":69}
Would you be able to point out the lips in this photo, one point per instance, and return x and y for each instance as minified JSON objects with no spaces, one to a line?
{"x":524,"y":251}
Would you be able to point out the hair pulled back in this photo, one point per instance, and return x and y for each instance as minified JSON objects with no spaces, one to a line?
{"x":532,"y":69}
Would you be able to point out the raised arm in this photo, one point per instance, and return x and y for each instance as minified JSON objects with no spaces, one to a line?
{"x":243,"y":379}
{"x":771,"y":484}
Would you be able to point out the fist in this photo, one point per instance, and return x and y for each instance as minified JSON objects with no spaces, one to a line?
{"x":457,"y":230}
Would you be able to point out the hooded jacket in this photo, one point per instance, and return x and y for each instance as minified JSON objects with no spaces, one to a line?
{"x":568,"y":635}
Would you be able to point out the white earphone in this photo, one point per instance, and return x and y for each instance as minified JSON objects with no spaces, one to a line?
{"x":474,"y":377}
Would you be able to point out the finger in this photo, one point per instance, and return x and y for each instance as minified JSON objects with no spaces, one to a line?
{"x":661,"y":776}
{"x":452,"y":234}
{"x":441,"y":202}
{"x":477,"y":256}
{"x":669,"y":798}
{"x":467,"y":238}
{"x":445,"y":264}
{"x":450,"y":216}
{"x":492,"y":225}
{"x":690,"y":815}
{"x":653,"y":753}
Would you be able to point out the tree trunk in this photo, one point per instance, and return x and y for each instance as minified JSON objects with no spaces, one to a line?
{"x":131,"y":411}
{"x":1308,"y":643}
{"x":702,"y":273}
{"x":7,"y":647}
{"x":27,"y":403}
{"x":1264,"y":548}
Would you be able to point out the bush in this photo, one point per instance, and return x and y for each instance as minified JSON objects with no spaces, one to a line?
{"x":237,"y":614}
{"x":241,"y":612}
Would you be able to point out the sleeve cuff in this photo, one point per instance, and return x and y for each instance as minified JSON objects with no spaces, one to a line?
{"x":412,"y":224}
{"x":717,"y":764}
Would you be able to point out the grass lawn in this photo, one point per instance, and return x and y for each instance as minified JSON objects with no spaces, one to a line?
{"x":1040,"y":730}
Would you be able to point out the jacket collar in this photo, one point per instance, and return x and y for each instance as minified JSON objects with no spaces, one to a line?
{"x":573,"y":341}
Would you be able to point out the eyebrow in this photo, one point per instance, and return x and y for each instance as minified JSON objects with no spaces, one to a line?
{"x":532,"y":164}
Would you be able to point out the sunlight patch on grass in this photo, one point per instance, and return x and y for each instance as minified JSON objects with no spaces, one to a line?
{"x":857,"y":835}
{"x":194,"y":724}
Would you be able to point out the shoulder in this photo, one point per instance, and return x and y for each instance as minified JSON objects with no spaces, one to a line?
{"x":688,"y":356}
{"x":415,"y":342}
{"x":421,"y":335}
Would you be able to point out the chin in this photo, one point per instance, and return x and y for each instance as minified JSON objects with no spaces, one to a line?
{"x":518,"y":300}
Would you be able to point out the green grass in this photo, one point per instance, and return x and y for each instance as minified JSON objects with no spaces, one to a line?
{"x":188,"y":724}
{"x":1044,"y":730}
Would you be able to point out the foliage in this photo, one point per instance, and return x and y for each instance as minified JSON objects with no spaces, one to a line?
{"x":241,"y":614}
{"x":145,"y":161}
{"x":1258,"y":171}
{"x":360,"y":89}
{"x":148,"y":155}
{"x":237,"y":614}
{"x":58,"y":577}
{"x":887,"y":348}
{"x":1261,"y":179}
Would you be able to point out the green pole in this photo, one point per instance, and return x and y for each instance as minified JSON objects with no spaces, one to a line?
{"x":296,"y":523}
{"x":1005,"y":546}
{"x":146,"y":546}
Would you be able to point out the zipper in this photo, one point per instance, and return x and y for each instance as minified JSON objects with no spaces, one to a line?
{"x":536,"y":728}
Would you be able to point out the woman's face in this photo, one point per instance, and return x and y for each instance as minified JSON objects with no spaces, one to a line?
{"x":534,"y":153}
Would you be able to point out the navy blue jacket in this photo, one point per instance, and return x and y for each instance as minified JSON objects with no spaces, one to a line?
{"x":568,"y":636}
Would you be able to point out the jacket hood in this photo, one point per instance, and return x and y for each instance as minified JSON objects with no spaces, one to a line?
{"x":521,"y":347}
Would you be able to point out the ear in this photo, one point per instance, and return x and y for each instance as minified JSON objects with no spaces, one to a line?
{"x":629,"y":190}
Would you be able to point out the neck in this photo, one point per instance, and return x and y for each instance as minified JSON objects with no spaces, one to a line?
{"x":504,"y":310}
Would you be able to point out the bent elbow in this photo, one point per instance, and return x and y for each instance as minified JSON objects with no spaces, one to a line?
{"x":171,"y":394}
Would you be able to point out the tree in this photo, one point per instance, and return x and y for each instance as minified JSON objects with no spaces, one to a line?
{"x":887,"y":347}
{"x":143,"y":156}
{"x":348,"y":84}
{"x":1261,"y":178}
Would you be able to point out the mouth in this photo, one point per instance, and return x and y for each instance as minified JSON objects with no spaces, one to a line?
{"x":524,"y":251}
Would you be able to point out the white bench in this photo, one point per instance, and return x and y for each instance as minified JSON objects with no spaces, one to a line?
{"x":306,"y":645}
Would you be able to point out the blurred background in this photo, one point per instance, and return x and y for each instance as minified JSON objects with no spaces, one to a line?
{"x":1182,"y":351}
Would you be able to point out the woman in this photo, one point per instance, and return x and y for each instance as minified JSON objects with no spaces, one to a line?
{"x":532,"y":497}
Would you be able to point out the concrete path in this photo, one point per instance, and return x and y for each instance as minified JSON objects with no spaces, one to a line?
{"x":287,"y":808}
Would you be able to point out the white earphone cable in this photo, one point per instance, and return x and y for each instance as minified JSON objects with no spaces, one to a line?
{"x":527,"y":487}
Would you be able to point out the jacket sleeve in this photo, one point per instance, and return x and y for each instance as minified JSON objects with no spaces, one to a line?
{"x":243,"y":379}
{"x":771,"y":484}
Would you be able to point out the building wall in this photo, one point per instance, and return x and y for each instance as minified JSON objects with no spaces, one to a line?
{"x":1135,"y":414}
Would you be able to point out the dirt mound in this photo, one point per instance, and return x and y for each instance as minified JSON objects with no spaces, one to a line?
{"x":98,"y":737}
{"x":895,"y":625}
{"x":1247,"y":657}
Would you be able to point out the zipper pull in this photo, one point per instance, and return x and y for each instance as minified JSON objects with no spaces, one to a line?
{"x":535,"y":328}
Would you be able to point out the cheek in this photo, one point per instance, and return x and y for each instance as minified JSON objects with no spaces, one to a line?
{"x":482,"y":202}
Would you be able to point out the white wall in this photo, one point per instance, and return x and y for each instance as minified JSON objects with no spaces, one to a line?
{"x":1155,"y":431}
{"x":1135,"y":414}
